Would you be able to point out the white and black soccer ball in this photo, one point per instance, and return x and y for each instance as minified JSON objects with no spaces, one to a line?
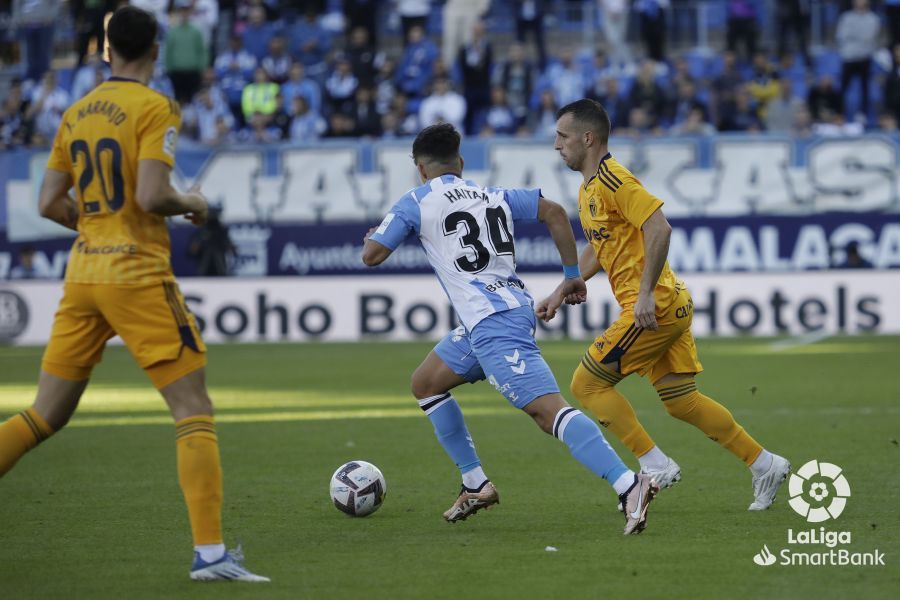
{"x":358,"y":488}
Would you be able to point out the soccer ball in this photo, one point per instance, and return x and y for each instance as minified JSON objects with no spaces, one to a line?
{"x":358,"y":488}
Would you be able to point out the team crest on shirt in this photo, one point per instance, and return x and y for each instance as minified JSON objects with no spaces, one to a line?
{"x":592,"y":205}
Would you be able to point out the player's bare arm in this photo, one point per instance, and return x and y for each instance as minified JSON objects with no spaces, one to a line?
{"x":374,"y":253}
{"x":572,"y":290}
{"x":657,"y":232}
{"x":156,"y":195}
{"x":54,"y":200}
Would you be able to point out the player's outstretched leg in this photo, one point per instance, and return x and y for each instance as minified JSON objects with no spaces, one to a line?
{"x":586,"y":443}
{"x":683,"y":401}
{"x":200,"y":477}
{"x":593,"y":385}
{"x":55,"y":403}
{"x":430,"y":385}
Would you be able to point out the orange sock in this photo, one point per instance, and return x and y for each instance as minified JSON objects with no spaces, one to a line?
{"x":593,"y":386}
{"x":200,"y":476}
{"x":19,"y":434}
{"x":684,"y":402}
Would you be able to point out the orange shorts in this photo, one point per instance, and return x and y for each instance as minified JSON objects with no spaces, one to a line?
{"x":152,"y":320}
{"x":653,"y":354}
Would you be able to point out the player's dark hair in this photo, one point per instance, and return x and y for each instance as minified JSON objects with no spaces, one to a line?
{"x":437,"y":143}
{"x":589,"y":114}
{"x":132,"y":32}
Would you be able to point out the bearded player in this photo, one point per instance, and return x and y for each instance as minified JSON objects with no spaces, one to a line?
{"x":628,"y":237}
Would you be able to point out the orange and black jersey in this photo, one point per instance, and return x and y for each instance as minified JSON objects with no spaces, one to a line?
{"x":100,"y":141}
{"x":613,"y":206}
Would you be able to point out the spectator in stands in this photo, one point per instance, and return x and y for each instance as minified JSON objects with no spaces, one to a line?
{"x":161,"y":83}
{"x":306,"y":125}
{"x":742,"y":26}
{"x":14,"y":129}
{"x":782,"y":113}
{"x":298,"y":84}
{"x":363,"y":56}
{"x":802,"y":123}
{"x":443,"y":106}
{"x":695,"y":123}
{"x":48,"y":103}
{"x":366,"y":117}
{"x":652,"y":18}
{"x":209,"y":81}
{"x":892,"y":11}
{"x":413,"y":13}
{"x":310,"y":43}
{"x":158,"y":8}
{"x":390,"y":127}
{"x":476,"y":63}
{"x":739,"y":113}
{"x":35,"y":23}
{"x":835,"y":125}
{"x":530,"y":19}
{"x":340,"y":125}
{"x":764,"y":85}
{"x":408,"y":121}
{"x":89,"y":25}
{"x":258,"y":98}
{"x":258,"y":129}
{"x":186,"y":54}
{"x":204,"y":16}
{"x":887,"y":122}
{"x":892,"y":86}
{"x":648,"y":95}
{"x":258,"y":33}
{"x":86,"y":76}
{"x":498,"y":118}
{"x":857,"y":38}
{"x":341,"y":86}
{"x":206,"y":120}
{"x":362,"y":14}
{"x":416,"y":63}
{"x":566,"y":78}
{"x":544,"y":120}
{"x":853,"y":259}
{"x":640,"y":124}
{"x":793,"y":17}
{"x":614,"y":14}
{"x":27,"y":268}
{"x":235,"y":58}
{"x":516,"y":77}
{"x":211,"y":246}
{"x":686,"y":102}
{"x":612,"y":100}
{"x":823,"y":97}
{"x":384,"y":85}
{"x":277,"y":63}
{"x":281,"y":117}
{"x":460,"y":17}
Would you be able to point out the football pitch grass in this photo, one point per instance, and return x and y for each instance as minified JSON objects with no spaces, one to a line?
{"x":96,"y":511}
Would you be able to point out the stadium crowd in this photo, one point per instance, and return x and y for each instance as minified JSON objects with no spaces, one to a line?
{"x":262,"y":71}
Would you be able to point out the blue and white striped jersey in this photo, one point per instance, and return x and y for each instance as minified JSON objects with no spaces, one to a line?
{"x":467,"y":234}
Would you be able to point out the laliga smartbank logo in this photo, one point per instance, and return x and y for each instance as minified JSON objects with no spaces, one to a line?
{"x":818,"y":492}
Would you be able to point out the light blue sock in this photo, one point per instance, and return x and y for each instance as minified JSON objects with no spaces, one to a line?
{"x":450,"y":429}
{"x":587,"y":444}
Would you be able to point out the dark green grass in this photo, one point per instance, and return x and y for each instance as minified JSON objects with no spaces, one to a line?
{"x":96,"y":512}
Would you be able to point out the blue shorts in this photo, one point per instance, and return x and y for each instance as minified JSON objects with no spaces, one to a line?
{"x":502,"y":350}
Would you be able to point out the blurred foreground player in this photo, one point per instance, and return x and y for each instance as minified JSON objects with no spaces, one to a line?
{"x":117,"y":145}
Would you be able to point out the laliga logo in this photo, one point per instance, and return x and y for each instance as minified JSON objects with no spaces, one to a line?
{"x":818,"y":491}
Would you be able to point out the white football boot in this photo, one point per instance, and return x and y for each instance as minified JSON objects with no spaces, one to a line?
{"x":765,"y":486}
{"x":227,"y":568}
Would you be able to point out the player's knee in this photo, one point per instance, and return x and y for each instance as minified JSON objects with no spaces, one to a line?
{"x":421,"y":385}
